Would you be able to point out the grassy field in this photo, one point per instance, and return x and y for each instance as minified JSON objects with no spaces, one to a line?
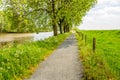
{"x":104,"y":64}
{"x":20,"y":60}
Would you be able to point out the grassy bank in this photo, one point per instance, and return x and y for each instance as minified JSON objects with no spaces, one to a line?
{"x":19,"y":60}
{"x":104,"y":64}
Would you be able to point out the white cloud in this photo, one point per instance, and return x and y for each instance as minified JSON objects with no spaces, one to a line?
{"x":105,"y":15}
{"x":112,"y":10}
{"x":104,"y":3}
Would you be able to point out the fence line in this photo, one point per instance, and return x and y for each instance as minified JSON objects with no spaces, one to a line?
{"x":84,"y":37}
{"x":94,"y":44}
{"x":116,"y":69}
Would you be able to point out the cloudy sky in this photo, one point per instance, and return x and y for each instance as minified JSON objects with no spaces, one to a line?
{"x":105,"y":15}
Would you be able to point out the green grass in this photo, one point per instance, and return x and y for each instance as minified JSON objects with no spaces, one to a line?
{"x":105,"y":63}
{"x":20,"y":60}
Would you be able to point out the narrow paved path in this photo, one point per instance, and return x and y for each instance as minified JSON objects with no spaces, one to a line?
{"x":63,"y":64}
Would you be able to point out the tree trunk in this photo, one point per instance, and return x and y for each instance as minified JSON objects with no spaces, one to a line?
{"x":68,"y":29}
{"x":60,"y":29}
{"x":65,"y":29}
{"x":54,"y":29}
{"x":60,"y":26}
{"x":53,"y":19}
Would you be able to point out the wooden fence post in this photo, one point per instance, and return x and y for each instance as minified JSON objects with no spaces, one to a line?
{"x":79,"y":33}
{"x":94,"y":44}
{"x":85,"y":39}
{"x":82,"y":36}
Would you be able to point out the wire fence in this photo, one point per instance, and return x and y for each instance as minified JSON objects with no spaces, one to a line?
{"x":109,"y":55}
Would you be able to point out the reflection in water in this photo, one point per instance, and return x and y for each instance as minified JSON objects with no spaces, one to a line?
{"x":13,"y":36}
{"x":18,"y":36}
{"x":42,"y":35}
{"x":22,"y":37}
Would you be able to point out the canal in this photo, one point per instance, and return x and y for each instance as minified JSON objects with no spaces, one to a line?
{"x":13,"y":37}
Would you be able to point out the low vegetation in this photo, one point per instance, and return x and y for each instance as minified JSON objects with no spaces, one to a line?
{"x":104,"y":64}
{"x":20,"y":60}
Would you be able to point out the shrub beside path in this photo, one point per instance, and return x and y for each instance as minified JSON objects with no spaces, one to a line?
{"x":63,"y":64}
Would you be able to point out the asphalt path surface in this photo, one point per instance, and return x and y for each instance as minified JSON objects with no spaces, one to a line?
{"x":63,"y":64}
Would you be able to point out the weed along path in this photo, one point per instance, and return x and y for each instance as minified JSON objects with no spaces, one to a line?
{"x":63,"y":64}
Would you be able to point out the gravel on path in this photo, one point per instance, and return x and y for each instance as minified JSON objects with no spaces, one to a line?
{"x":63,"y":64}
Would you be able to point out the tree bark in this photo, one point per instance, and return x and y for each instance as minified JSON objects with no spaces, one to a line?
{"x":65,"y":29}
{"x":60,"y":26}
{"x":68,"y":29}
{"x":60,"y":29}
{"x":54,"y":18}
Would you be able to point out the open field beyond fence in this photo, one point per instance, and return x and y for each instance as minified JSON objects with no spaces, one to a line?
{"x":104,"y":62}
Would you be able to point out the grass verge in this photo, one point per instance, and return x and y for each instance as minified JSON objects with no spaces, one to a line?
{"x":20,"y":60}
{"x":104,"y":64}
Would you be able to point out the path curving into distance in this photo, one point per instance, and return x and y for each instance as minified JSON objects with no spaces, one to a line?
{"x":63,"y":64}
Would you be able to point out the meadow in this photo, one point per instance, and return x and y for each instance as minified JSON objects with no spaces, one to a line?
{"x":104,"y":64}
{"x":18,"y":61}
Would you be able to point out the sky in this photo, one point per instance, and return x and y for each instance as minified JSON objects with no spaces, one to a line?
{"x":104,"y":15}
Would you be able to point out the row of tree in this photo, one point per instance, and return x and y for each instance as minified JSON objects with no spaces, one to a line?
{"x":33,"y":15}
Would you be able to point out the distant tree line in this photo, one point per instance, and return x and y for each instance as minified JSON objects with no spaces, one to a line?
{"x":39,"y":15}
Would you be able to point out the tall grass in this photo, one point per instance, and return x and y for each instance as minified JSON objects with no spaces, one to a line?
{"x":105,"y":63}
{"x":19,"y":60}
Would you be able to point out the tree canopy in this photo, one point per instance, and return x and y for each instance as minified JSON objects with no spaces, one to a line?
{"x":36,"y":15}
